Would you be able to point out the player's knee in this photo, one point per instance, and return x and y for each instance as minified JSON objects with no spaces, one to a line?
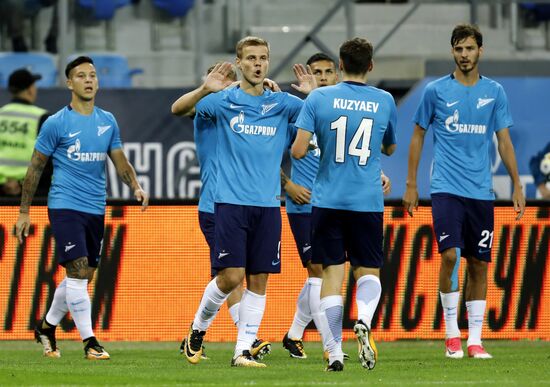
{"x":449,"y":257}
{"x":228,"y":279}
{"x":315,"y":270}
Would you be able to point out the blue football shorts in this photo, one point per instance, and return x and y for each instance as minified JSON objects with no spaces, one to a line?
{"x":77,"y":234}
{"x":463,"y":223}
{"x":249,"y":237}
{"x":340,"y":235}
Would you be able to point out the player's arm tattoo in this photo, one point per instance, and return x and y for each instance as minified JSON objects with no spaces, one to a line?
{"x":77,"y":268}
{"x":124,"y":169}
{"x":32,"y":178}
{"x":128,"y":176}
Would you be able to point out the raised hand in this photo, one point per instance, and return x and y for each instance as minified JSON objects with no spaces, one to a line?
{"x":306,"y":80}
{"x":218,"y":79}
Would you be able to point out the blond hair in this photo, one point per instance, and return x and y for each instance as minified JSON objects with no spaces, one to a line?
{"x":250,"y":41}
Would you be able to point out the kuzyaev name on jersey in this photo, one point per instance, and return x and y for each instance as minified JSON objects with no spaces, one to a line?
{"x":351,"y":104}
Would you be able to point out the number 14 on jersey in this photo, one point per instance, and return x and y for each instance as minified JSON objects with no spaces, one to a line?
{"x":360,"y":142}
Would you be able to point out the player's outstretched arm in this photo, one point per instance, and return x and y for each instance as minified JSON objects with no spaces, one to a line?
{"x":508,"y":156}
{"x":297,"y":193}
{"x":301,"y":144}
{"x":217,"y":80}
{"x":410,"y":198}
{"x":306,"y":80}
{"x":38,"y":162}
{"x":128,"y":175}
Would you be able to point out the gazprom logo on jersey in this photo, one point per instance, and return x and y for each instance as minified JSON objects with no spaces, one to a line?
{"x":452,"y":125}
{"x":73,"y":153}
{"x":238,"y":126}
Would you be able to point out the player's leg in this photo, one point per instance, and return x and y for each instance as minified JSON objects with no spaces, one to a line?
{"x":44,"y":332}
{"x":251,"y":312}
{"x":331,"y":315}
{"x":315,"y":280}
{"x":71,"y":229}
{"x":234,"y":302}
{"x":94,"y":227}
{"x":448,"y":217}
{"x":328,"y":248}
{"x":300,"y":225}
{"x":259,"y":348}
{"x":479,"y":242}
{"x":366,"y":258}
{"x":214,"y":296}
{"x":207,"y":222}
{"x":230,"y":261}
{"x":263,"y":258}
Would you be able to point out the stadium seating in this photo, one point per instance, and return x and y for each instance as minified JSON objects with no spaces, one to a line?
{"x":39,"y":63}
{"x":534,"y":15}
{"x":540,"y":12}
{"x":175,"y":8}
{"x":168,"y":11}
{"x":91,"y":12}
{"x":103,"y":9}
{"x":112,"y":69}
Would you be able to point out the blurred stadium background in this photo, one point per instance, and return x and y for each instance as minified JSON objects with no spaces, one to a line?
{"x":155,"y":266}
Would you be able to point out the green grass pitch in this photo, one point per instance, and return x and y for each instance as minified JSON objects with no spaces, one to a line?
{"x":404,"y":363}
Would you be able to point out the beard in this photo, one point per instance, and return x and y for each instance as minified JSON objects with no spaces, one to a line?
{"x":466,"y":68}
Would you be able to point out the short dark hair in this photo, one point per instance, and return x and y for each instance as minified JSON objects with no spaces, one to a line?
{"x":319,"y":57}
{"x":77,"y":62}
{"x":356,"y":56}
{"x":464,"y":31}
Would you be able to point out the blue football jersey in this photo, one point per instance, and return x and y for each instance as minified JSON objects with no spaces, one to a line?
{"x":206,"y":143}
{"x":79,"y":146}
{"x":463,"y":120}
{"x":252,"y":134}
{"x":351,"y":121}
